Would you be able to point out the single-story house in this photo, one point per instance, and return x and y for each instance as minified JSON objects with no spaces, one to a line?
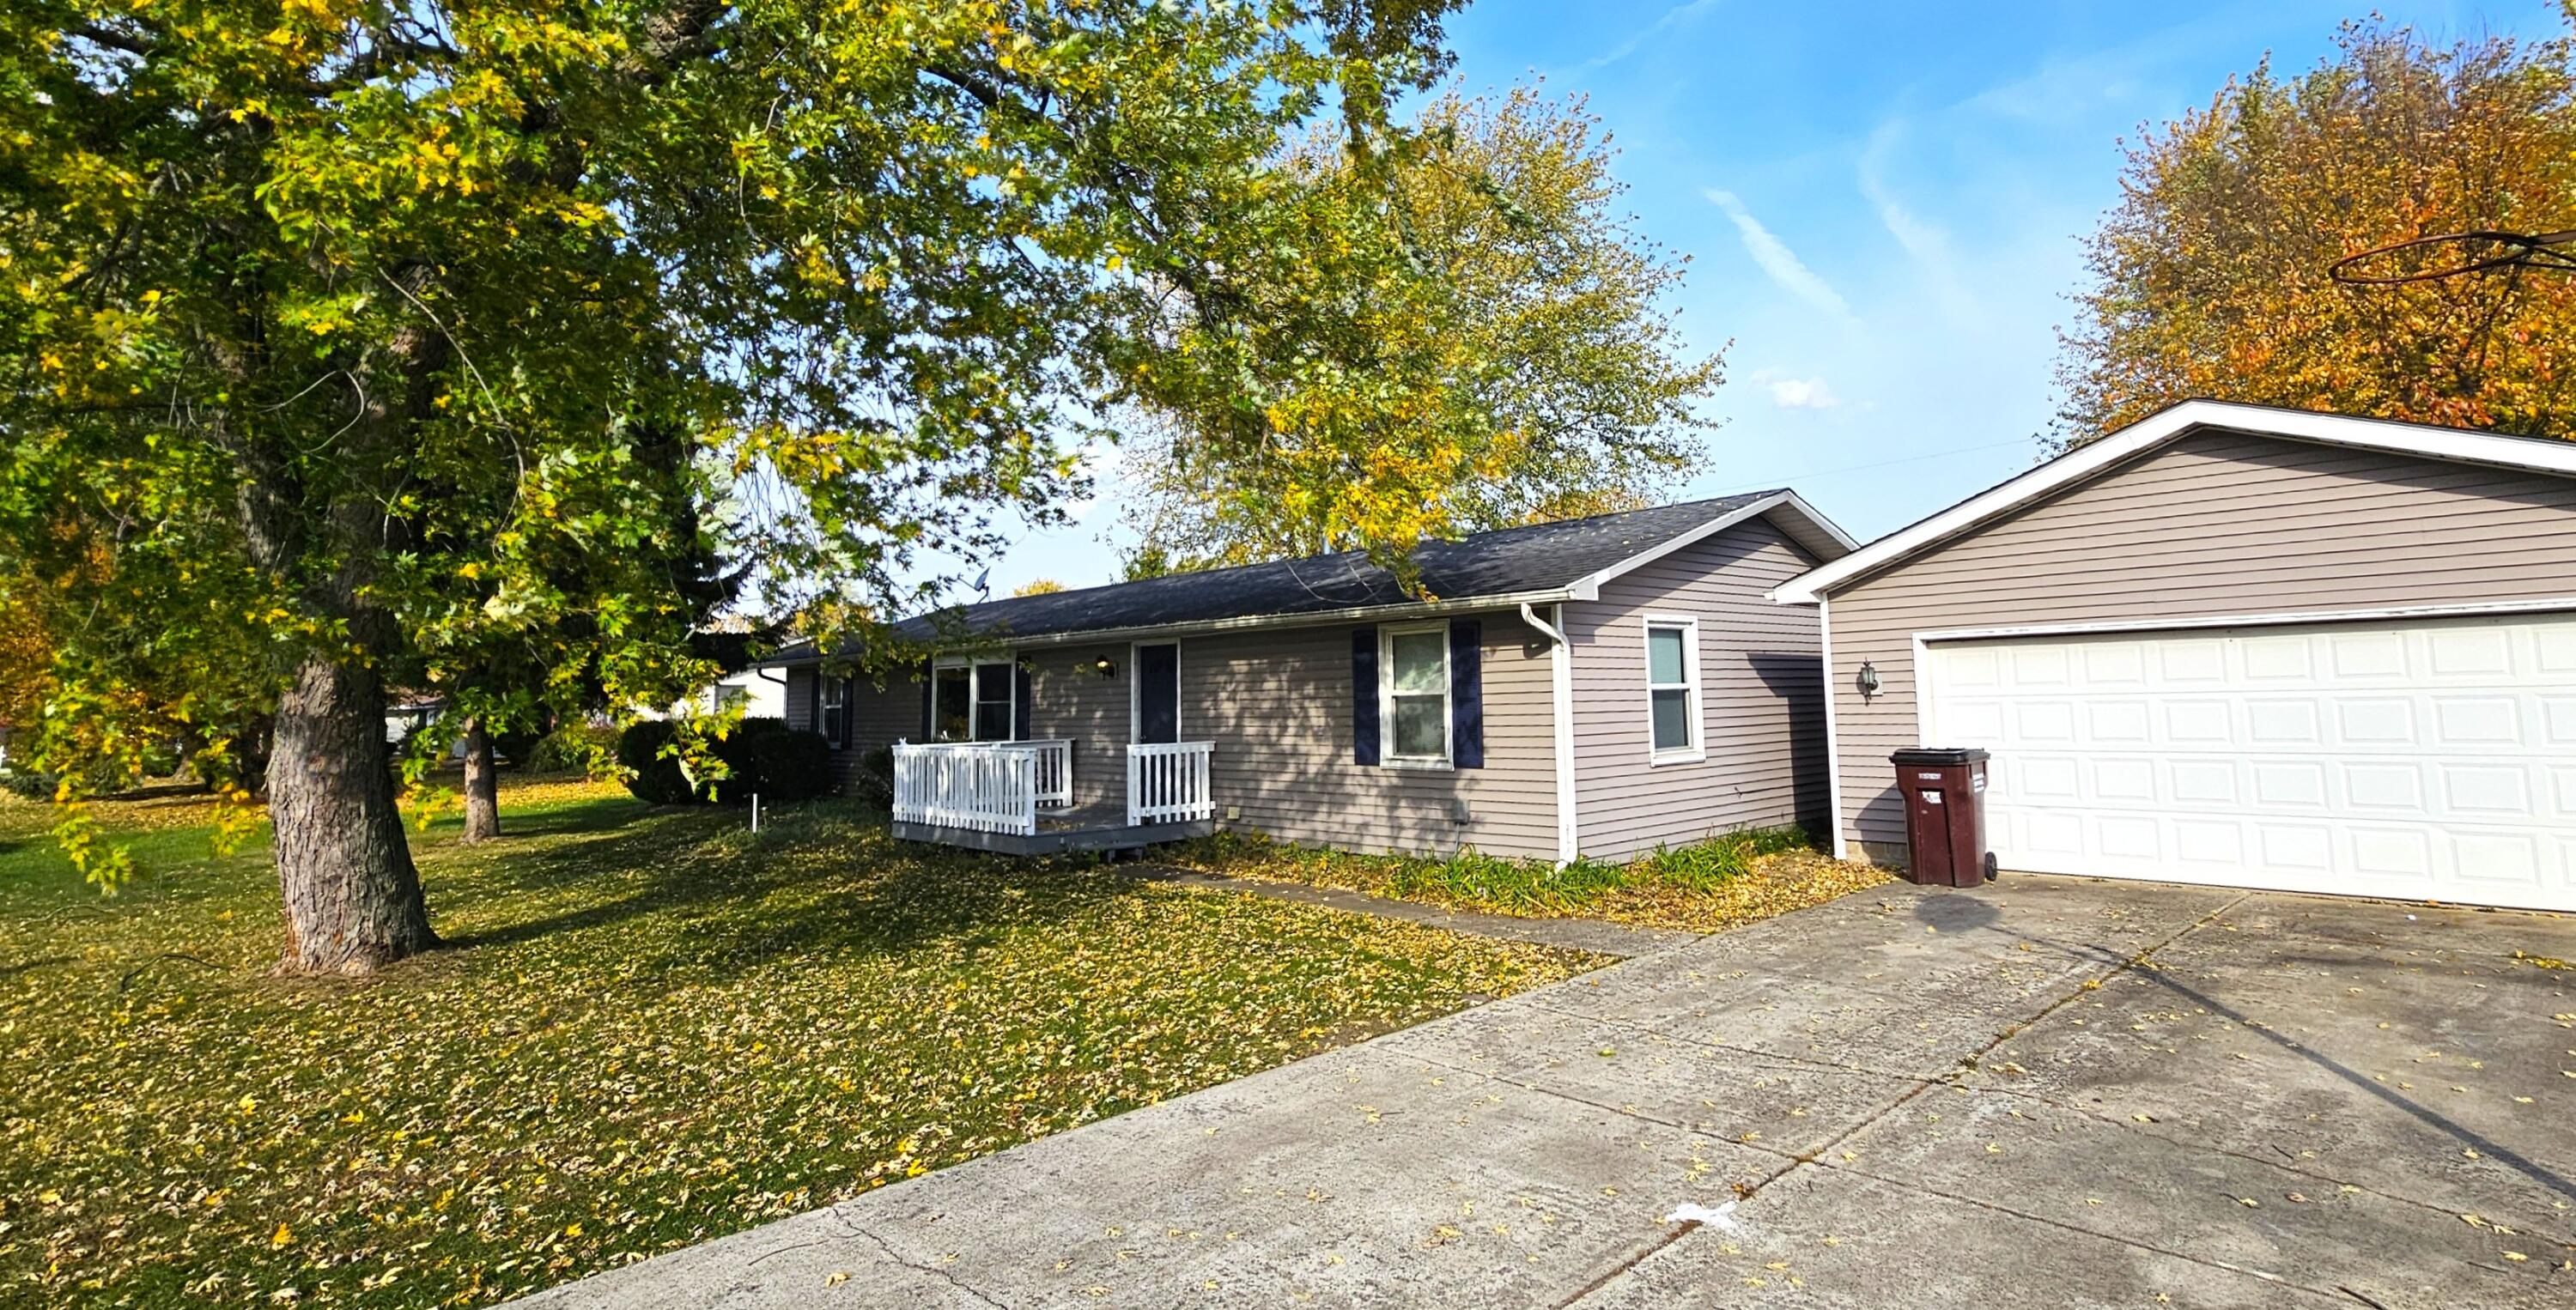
{"x":2238,"y":645}
{"x":1598,"y":686}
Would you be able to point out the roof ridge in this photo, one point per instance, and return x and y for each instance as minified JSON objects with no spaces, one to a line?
{"x":1292,"y":561}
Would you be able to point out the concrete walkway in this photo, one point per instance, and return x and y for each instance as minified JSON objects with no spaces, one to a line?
{"x":2049,"y":1093}
{"x":1599,"y":936}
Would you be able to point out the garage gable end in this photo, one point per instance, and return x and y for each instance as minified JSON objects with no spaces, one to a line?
{"x":2222,"y":523}
{"x":2119,"y":450}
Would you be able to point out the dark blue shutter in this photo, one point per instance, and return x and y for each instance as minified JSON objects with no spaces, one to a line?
{"x":1022,"y":698}
{"x":1363,"y":695}
{"x":929,"y":724}
{"x":814,"y":700}
{"x":1466,"y":694}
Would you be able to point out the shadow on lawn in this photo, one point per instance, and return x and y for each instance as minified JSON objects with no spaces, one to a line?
{"x":702,"y":895}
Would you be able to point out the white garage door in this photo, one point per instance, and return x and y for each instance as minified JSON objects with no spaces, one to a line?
{"x":2430,"y":760}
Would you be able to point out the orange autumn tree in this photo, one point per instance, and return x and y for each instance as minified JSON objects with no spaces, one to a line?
{"x":2210,"y":277}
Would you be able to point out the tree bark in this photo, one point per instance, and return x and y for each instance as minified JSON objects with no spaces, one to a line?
{"x":482,"y":788}
{"x":353,"y":899}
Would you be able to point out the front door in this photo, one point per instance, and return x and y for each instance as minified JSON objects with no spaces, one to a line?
{"x":1158,"y":693}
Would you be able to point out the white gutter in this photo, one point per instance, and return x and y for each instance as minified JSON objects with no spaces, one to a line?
{"x":1560,"y":676}
{"x":999,"y":638}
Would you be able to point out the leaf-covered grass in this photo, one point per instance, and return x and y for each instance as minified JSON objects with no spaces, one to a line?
{"x":656,"y":1028}
{"x":1731,"y":879}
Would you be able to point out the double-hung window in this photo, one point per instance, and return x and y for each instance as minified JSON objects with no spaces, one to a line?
{"x":1414,"y":695}
{"x":972,"y":702}
{"x":836,"y":713}
{"x":1672,"y":689}
{"x":993,"y":702}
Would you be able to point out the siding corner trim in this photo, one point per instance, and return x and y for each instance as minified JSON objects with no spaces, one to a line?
{"x":1560,"y":675}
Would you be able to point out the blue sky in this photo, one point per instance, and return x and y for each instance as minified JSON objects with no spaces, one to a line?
{"x":1882,"y":204}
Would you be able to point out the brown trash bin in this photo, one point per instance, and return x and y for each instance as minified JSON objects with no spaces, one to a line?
{"x":1945,"y":815}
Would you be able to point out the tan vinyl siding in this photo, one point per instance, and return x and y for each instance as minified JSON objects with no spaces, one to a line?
{"x":2213,"y":525}
{"x":800,"y":699}
{"x":1277,"y":703}
{"x":1762,"y":711}
{"x":1069,"y":700}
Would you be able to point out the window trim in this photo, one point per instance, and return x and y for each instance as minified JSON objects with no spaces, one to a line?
{"x":1692,"y":716}
{"x":832,"y":706}
{"x":975,"y":666}
{"x":1386,"y":752}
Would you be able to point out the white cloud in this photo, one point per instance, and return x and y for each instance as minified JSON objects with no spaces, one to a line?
{"x":1927,"y":242}
{"x":1776,"y":260}
{"x":1672,"y":18}
{"x":1802,"y":393}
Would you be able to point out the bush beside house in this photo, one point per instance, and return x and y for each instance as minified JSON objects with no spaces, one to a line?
{"x":760,"y":755}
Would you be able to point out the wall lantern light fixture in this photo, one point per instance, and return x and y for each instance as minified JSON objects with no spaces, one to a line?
{"x":1105,"y":667}
{"x":1868,"y":679}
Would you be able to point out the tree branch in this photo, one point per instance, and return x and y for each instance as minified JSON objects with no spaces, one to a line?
{"x":129,"y":43}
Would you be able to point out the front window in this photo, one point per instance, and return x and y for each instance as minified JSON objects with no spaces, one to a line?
{"x":1672,"y":688}
{"x":972,"y":702}
{"x":1416,"y":695}
{"x":993,"y":702}
{"x":952,"y":703}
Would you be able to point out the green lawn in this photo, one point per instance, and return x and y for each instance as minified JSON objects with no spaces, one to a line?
{"x":656,"y":1028}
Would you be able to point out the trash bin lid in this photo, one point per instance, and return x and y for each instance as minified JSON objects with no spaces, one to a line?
{"x":1937,"y":755}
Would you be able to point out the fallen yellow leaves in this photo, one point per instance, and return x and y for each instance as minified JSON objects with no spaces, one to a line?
{"x":661,"y":1030}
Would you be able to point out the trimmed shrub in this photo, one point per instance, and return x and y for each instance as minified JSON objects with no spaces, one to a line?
{"x":789,"y":766}
{"x":572,"y":748}
{"x":736,"y":752}
{"x":873,"y":784}
{"x":651,"y":775}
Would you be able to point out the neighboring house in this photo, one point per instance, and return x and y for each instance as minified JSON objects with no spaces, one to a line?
{"x":1600,"y":686}
{"x":2237,"y":645}
{"x":762,"y":693}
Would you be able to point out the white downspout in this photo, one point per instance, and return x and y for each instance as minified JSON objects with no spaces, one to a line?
{"x":1561,"y":688}
{"x":1833,"y":735}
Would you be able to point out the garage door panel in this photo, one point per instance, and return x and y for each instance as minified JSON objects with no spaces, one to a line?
{"x":2558,"y":721}
{"x":2432,"y":759}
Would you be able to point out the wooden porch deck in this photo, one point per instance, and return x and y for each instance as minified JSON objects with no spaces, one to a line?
{"x":1006,"y":797}
{"x":1101,"y":826}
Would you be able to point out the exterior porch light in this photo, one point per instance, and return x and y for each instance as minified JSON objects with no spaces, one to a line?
{"x":1868,"y":679}
{"x":1105,"y":667}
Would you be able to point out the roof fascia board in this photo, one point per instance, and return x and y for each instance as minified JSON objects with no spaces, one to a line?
{"x":1203,"y":627}
{"x":1589,"y":586}
{"x":2156,"y":430}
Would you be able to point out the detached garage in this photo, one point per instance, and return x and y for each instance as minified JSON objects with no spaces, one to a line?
{"x":2235,"y":645}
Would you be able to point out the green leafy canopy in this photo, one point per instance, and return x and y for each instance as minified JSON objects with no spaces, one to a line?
{"x":416,"y":336}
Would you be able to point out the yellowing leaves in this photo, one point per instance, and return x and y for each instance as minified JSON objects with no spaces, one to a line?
{"x":627,"y":1060}
{"x":2211,"y":277}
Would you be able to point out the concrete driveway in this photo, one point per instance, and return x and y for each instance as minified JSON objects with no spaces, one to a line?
{"x":2055,"y":1092}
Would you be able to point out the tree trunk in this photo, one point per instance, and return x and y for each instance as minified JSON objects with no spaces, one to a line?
{"x":482,"y":788}
{"x":353,"y":898}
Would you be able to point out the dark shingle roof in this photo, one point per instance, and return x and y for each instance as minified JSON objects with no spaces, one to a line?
{"x":1539,"y":558}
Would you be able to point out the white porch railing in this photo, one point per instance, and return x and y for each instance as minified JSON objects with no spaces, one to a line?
{"x":982,"y":786}
{"x":1168,"y":783}
{"x":1055,"y":771}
